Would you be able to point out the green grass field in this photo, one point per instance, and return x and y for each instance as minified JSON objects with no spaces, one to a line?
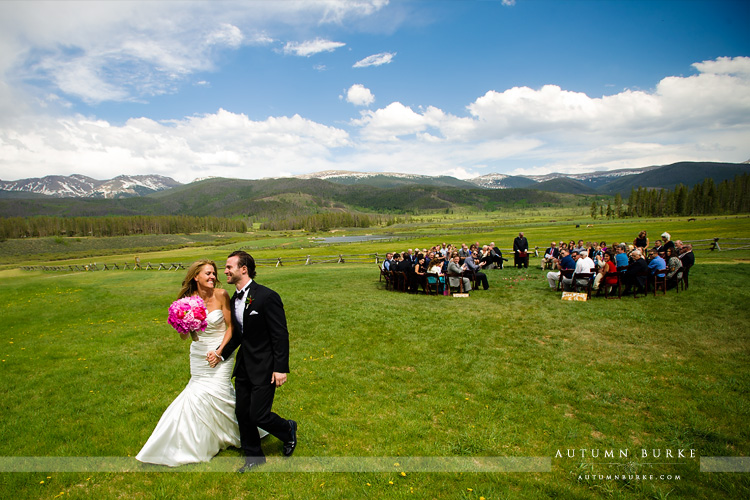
{"x":89,"y":364}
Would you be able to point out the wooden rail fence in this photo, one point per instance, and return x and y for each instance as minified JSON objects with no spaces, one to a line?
{"x":713,"y":244}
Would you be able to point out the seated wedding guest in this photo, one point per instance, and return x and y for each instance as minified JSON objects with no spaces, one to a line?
{"x":688,"y":259}
{"x":550,"y":255}
{"x":471,"y":265}
{"x":404,"y":266}
{"x":657,"y":245}
{"x":435,"y":272}
{"x":464,"y":252}
{"x":674,"y":269}
{"x":603,"y":247}
{"x":584,"y":265}
{"x":567,"y":282}
{"x":443,"y":250}
{"x":641,"y":241}
{"x":595,"y":253}
{"x":571,"y":246}
{"x":485,"y":258}
{"x":564,"y":262}
{"x":497,"y":255}
{"x":636,"y":272}
{"x":388,"y":261}
{"x":666,"y":240}
{"x":428,"y":258}
{"x":410,"y":256}
{"x":436,"y":266}
{"x":580,"y":247}
{"x":656,"y":264}
{"x":454,"y":267}
{"x":521,"y":251}
{"x":418,"y":274}
{"x":606,"y":265}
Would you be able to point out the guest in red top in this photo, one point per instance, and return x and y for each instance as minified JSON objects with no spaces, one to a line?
{"x":607,"y":265}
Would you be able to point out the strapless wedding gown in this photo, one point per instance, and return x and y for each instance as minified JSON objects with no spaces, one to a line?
{"x":200,"y":422}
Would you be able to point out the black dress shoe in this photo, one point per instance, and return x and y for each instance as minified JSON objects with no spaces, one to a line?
{"x":251,"y":464}
{"x":290,"y":445}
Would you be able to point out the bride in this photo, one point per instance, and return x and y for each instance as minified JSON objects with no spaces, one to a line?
{"x":200,"y":422}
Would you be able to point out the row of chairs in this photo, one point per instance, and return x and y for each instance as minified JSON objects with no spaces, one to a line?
{"x":399,"y":280}
{"x":653,"y":280}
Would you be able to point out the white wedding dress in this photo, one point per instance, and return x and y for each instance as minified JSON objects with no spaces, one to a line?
{"x":200,"y":422}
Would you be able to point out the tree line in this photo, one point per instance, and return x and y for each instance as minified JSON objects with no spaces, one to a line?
{"x":705,"y":198}
{"x":325,"y":221}
{"x":40,"y":226}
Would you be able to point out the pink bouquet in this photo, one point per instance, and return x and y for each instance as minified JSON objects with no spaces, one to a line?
{"x":188,"y":314}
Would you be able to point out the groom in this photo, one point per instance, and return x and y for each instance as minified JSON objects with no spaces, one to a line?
{"x":259,"y":329}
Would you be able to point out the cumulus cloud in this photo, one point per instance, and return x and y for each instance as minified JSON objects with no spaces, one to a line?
{"x":132,"y":50}
{"x":219,"y":144}
{"x":311,"y":47}
{"x":700,"y":117}
{"x":704,"y":116}
{"x":375,"y":60}
{"x":359,"y":95}
{"x":725,"y":66}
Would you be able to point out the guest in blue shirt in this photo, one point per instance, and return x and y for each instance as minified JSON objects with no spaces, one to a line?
{"x":566,"y":262}
{"x":388,"y":261}
{"x":656,"y":264}
{"x":621,"y":258}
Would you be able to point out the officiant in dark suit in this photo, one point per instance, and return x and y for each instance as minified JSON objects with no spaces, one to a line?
{"x":259,"y":330}
{"x":521,"y":251}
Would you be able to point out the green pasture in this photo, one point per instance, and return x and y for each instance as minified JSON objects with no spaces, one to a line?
{"x":88,"y":365}
{"x":540,"y":227}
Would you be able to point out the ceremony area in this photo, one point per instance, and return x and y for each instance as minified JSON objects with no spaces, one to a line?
{"x":89,"y":364}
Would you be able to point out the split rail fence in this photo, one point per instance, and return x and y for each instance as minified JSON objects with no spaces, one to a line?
{"x":714,"y":244}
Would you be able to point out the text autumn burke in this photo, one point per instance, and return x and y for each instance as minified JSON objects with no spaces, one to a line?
{"x":642,"y":453}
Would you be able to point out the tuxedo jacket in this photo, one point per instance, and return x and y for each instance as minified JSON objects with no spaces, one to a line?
{"x":687,"y":259}
{"x":263,"y":340}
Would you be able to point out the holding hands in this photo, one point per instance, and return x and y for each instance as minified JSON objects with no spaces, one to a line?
{"x":213,"y":359}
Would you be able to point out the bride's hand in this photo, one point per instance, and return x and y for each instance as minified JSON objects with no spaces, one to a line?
{"x":212,"y":359}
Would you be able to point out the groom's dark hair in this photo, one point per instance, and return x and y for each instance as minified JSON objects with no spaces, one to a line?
{"x":245,"y":259}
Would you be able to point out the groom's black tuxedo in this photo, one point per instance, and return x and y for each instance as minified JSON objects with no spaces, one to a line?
{"x":264,"y":337}
{"x":263,"y":342}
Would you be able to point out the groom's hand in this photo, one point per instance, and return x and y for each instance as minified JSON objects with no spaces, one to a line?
{"x":212,"y":359}
{"x":278,"y":378}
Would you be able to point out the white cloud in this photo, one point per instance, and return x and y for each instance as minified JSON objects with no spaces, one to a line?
{"x":226,"y":34}
{"x":725,"y":66}
{"x":705,"y":116}
{"x":375,"y":60}
{"x":311,"y":47}
{"x":219,"y":144}
{"x":131,"y":50}
{"x":359,"y":95}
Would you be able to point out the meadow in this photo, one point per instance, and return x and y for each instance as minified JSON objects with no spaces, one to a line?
{"x":88,"y":365}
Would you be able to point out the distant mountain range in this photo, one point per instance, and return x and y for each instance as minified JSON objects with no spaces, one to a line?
{"x":277,"y":198}
{"x":80,"y":186}
{"x":601,"y":182}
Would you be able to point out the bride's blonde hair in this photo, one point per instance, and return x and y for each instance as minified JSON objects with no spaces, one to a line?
{"x":189,"y":286}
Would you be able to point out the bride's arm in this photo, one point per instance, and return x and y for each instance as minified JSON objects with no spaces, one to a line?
{"x":226,"y":311}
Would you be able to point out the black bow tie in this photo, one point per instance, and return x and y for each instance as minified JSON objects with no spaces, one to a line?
{"x":238,"y":295}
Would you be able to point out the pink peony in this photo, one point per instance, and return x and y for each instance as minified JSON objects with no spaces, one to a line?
{"x":188,"y":314}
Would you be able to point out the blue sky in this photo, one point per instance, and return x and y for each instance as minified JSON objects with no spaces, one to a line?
{"x":256,"y":89}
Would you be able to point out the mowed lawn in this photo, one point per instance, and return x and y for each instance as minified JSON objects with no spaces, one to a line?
{"x":89,"y":365}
